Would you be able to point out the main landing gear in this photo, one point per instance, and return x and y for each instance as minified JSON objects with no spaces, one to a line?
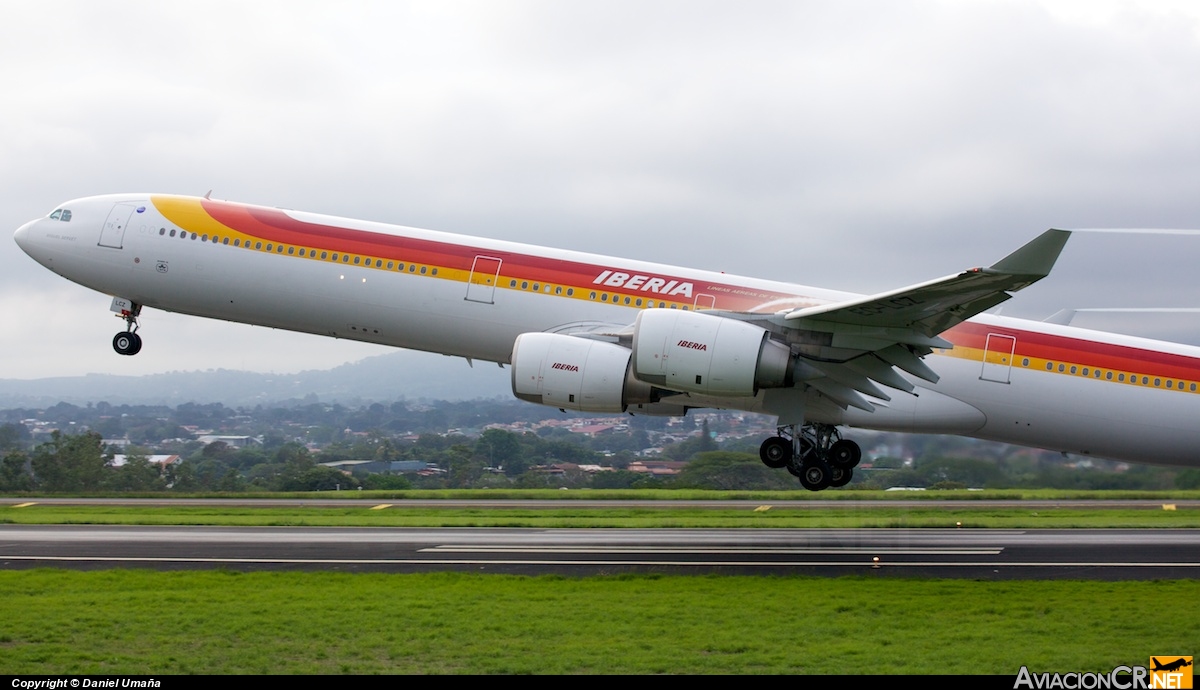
{"x":815,"y":453}
{"x":128,"y":342}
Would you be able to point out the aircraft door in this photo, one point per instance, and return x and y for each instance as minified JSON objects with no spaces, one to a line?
{"x":113,"y":233}
{"x":481,"y":286}
{"x":998,"y":357}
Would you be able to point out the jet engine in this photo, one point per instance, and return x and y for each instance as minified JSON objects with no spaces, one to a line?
{"x":707,"y":355}
{"x":575,"y":373}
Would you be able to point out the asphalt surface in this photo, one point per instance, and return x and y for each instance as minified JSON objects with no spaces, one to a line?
{"x":1118,"y":554}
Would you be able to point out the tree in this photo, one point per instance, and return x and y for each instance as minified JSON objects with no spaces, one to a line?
{"x":137,"y":474}
{"x":15,"y":474}
{"x":727,"y":471}
{"x":69,"y":463}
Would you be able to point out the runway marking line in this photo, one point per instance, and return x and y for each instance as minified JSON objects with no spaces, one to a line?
{"x":707,"y":564}
{"x":892,"y":551}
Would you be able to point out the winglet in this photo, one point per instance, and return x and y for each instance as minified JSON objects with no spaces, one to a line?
{"x":1035,"y":258}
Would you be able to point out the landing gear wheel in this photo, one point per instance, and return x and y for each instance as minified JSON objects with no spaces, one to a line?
{"x":127,"y":343}
{"x":775,"y":452}
{"x":840,"y":476}
{"x":815,"y":475}
{"x":844,"y":454}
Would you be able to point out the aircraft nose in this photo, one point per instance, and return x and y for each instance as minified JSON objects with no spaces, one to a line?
{"x":23,"y":236}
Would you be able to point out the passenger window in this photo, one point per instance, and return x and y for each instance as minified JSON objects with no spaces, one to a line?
{"x":172,"y":232}
{"x":224,"y":240}
{"x":356,"y":261}
{"x":162,"y":231}
{"x":422,"y":270}
{"x":269,"y":246}
{"x":258,"y":245}
{"x":292,"y":250}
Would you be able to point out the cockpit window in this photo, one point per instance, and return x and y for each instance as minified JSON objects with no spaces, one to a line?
{"x":56,"y":215}
{"x":66,"y":216}
{"x":61,"y":214}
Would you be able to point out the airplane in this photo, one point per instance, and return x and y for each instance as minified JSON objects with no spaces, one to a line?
{"x":600,"y":334}
{"x":1181,"y":662}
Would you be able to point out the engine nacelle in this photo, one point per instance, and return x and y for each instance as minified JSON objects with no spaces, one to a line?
{"x":708,"y":355}
{"x":575,"y":373}
{"x":658,"y":409}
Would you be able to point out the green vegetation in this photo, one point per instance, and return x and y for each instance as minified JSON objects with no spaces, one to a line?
{"x":500,"y":445}
{"x":138,"y":622}
{"x":390,"y":511}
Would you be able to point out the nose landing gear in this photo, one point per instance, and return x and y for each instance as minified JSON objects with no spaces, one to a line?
{"x":128,"y":342}
{"x":815,"y":453}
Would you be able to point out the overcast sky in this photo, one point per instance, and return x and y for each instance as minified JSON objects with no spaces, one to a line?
{"x":852,"y":145}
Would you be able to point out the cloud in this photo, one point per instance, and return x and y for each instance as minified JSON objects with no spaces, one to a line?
{"x":856,"y":145}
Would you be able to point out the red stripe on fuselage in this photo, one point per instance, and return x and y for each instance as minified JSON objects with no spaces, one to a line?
{"x":277,"y":226}
{"x":1081,"y":352}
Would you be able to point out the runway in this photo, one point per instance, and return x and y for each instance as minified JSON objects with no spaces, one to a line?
{"x":954,"y":553}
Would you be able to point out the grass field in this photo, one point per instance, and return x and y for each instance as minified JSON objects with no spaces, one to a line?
{"x":145,"y":622}
{"x":140,"y":622}
{"x":770,"y":510}
{"x":917,"y":516}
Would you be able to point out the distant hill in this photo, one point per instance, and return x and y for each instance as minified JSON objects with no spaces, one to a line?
{"x":393,"y":376}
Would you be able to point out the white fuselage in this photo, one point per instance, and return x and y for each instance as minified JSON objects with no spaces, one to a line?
{"x":1024,"y":382}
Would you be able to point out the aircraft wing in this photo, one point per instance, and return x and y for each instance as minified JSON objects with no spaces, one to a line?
{"x":850,"y":344}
